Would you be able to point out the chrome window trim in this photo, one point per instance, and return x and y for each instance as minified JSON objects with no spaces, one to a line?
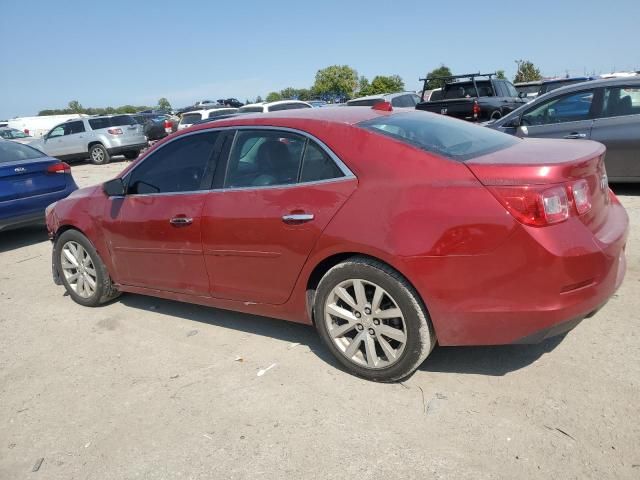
{"x":348,"y":174}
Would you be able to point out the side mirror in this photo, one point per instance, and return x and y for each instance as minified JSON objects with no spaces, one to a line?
{"x":513,"y":123}
{"x":114,"y":188}
{"x":522,"y":95}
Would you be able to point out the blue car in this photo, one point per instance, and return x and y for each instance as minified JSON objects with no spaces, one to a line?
{"x":29,"y":182}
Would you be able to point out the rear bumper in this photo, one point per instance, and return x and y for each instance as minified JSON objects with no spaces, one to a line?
{"x":533,"y":287}
{"x":127,"y":148}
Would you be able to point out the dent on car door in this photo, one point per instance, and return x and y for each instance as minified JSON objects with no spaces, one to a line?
{"x":567,"y":116}
{"x":153,"y":231}
{"x":281,"y":190}
{"x":618,"y":128}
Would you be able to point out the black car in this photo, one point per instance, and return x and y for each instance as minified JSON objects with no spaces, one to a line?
{"x":607,"y":111}
{"x":156,"y":126}
{"x":230,"y":102}
{"x":469,"y":97}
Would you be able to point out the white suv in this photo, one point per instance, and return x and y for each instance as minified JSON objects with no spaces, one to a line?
{"x":189,"y":118}
{"x":265,"y":107}
{"x":95,"y":138}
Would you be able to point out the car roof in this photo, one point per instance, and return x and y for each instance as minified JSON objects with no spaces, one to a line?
{"x":561,"y":80}
{"x":381,"y":95}
{"x":605,"y":82}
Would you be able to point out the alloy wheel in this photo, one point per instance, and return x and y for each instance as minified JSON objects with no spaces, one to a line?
{"x":78,"y":269}
{"x":97,"y":155}
{"x":365,"y":324}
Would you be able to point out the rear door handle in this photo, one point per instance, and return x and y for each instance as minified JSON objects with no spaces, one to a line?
{"x":297,"y":217}
{"x":181,"y":221}
{"x":576,"y":135}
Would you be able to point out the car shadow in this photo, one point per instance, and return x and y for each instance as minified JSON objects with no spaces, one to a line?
{"x":256,"y":325}
{"x":22,"y":237}
{"x":492,"y":361}
{"x":626,"y":188}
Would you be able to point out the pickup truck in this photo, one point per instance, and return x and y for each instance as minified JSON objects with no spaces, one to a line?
{"x":474,"y":99}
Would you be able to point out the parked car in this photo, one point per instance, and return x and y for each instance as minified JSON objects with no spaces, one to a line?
{"x":205,"y":103}
{"x":397,"y":100}
{"x":15,"y":135}
{"x":389,"y":229}
{"x":156,"y":127}
{"x":29,"y":182}
{"x":264,"y":107}
{"x":473,"y":99}
{"x":317,"y":103}
{"x":96,"y":138}
{"x":230,"y":102}
{"x":528,"y":90}
{"x":604,"y":110}
{"x":432,"y":95}
{"x":41,"y":124}
{"x":190,"y":118}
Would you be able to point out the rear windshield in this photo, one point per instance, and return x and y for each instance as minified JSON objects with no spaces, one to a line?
{"x":467,"y":89}
{"x":369,"y":102}
{"x":189,"y":118}
{"x":438,"y":134}
{"x":547,"y":87}
{"x":528,"y":89}
{"x":222,"y":111}
{"x":108,"y":122}
{"x":14,"y":152}
{"x":251,"y":109}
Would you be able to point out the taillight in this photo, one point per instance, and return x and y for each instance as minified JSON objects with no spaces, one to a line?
{"x":60,"y":167}
{"x":476,"y":109}
{"x":581,"y":198}
{"x":383,"y":107}
{"x":534,"y":205}
{"x":168,"y":126}
{"x":26,"y":131}
{"x":115,"y":131}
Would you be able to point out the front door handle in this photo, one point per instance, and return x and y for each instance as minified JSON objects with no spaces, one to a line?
{"x":297,"y":217}
{"x":181,"y":221}
{"x":576,"y":135}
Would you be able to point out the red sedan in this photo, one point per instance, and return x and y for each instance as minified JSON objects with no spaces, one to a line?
{"x":389,"y":231}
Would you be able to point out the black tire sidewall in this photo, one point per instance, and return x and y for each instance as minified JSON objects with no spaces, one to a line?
{"x":102,"y":279}
{"x":402,"y":292}
{"x":107,"y":158}
{"x":132,"y":155}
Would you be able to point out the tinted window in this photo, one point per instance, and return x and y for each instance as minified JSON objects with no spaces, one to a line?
{"x":72,"y":128}
{"x":467,"y":89}
{"x":403,"y":101}
{"x":369,"y":102}
{"x":121,"y":120}
{"x":222,"y":111}
{"x":252,"y":109}
{"x":287,"y":106}
{"x":619,"y":101}
{"x":440,"y":135}
{"x":567,"y":108}
{"x":511,"y":90}
{"x":262,"y":158}
{"x":13,"y":152}
{"x":436,"y":95}
{"x":190,"y":118}
{"x":98,"y":123}
{"x":317,"y":165}
{"x":528,"y":89}
{"x":184,"y":165}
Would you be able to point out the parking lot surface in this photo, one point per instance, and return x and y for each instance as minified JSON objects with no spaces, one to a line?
{"x":155,"y":389}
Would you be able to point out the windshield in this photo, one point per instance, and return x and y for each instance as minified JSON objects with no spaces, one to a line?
{"x":468,"y":89}
{"x":369,"y":102}
{"x":12,"y":133}
{"x":14,"y":152}
{"x":440,"y":135}
{"x":190,"y":118}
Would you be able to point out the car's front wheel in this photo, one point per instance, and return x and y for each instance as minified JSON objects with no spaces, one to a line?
{"x":81,"y":270}
{"x":98,"y":155}
{"x":372,"y":320}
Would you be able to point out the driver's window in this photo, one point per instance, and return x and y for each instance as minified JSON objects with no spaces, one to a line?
{"x":568,"y":108}
{"x":184,"y":165}
{"x":56,"y":132}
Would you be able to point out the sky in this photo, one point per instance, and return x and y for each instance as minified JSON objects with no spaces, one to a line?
{"x":134,"y":52}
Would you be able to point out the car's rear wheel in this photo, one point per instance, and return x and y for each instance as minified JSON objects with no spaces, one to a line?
{"x":372,"y":320}
{"x":82,"y":271}
{"x":496,"y":115}
{"x":98,"y":155}
{"x":131,"y":155}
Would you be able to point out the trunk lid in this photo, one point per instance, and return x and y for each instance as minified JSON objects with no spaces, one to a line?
{"x":540,"y":162}
{"x":28,"y":178}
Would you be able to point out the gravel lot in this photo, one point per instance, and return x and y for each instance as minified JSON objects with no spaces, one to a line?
{"x":153,"y":389}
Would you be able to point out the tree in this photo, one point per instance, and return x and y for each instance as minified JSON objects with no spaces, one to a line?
{"x":364,"y":87}
{"x":289,"y":93}
{"x":386,"y":84}
{"x":75,"y":107}
{"x":304,"y":94}
{"x":500,"y":74}
{"x":336,"y":82}
{"x":527,"y":72}
{"x":274,"y":97}
{"x":441,"y":71}
{"x":163,"y":104}
{"x":258,"y":99}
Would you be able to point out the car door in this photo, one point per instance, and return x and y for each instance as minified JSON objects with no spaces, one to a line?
{"x":568,"y":115}
{"x":512,"y":100}
{"x":281,"y":190}
{"x":617,"y":126}
{"x":154,"y":230}
{"x":53,"y":142}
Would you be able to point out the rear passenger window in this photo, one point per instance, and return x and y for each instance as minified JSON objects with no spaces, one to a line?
{"x":621,"y":101}
{"x":317,"y":165}
{"x":99,"y":123}
{"x":184,"y":165}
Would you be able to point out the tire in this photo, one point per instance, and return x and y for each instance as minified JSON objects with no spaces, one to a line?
{"x":98,"y":155}
{"x":94,"y":268}
{"x":496,"y":115}
{"x":412,"y":337}
{"x":132,"y":155}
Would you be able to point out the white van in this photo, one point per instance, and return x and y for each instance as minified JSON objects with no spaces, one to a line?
{"x":189,"y":118}
{"x":38,"y":126}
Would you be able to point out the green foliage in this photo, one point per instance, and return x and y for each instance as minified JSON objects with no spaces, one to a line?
{"x":274,"y":97}
{"x":75,"y":107}
{"x":441,"y":71}
{"x":500,"y":74}
{"x":527,"y":72}
{"x":336,"y":82}
{"x":386,"y":84}
{"x":163,"y":104}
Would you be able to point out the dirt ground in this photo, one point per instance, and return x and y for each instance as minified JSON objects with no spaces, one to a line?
{"x":152,"y":389}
